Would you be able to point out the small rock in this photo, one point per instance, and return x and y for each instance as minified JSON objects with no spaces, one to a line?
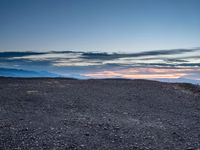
{"x":82,"y":145}
{"x":87,"y":134}
{"x":125,"y":113}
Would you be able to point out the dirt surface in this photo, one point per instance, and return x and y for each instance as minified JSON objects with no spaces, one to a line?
{"x":113,"y":114}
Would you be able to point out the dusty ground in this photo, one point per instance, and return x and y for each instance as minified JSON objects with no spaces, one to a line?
{"x":98,"y":114}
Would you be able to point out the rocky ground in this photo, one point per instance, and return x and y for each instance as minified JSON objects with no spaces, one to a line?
{"x":67,"y":114}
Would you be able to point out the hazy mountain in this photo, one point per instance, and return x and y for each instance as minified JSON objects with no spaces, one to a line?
{"x":9,"y":72}
{"x":179,"y":80}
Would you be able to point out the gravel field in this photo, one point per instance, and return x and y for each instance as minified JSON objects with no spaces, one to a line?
{"x":112,"y":114}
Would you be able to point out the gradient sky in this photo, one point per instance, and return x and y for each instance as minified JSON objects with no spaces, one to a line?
{"x":99,"y":25}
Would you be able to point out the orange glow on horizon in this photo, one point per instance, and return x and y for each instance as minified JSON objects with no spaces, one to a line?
{"x":143,"y":73}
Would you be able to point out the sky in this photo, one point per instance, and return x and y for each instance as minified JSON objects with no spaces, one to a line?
{"x":127,"y":26}
{"x":133,"y":39}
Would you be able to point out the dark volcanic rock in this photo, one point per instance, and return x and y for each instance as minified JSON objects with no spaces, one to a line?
{"x":98,"y":114}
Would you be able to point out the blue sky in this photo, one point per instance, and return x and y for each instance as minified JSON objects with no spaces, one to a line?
{"x":99,"y":25}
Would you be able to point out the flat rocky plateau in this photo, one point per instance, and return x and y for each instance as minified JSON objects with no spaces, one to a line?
{"x":109,"y":114}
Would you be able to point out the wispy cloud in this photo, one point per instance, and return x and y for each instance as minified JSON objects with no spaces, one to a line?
{"x":70,"y":58}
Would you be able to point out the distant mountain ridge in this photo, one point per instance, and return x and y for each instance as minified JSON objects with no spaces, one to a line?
{"x":10,"y":72}
{"x":179,"y":80}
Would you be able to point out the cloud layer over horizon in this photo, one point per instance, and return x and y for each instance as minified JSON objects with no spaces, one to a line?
{"x":174,"y":63}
